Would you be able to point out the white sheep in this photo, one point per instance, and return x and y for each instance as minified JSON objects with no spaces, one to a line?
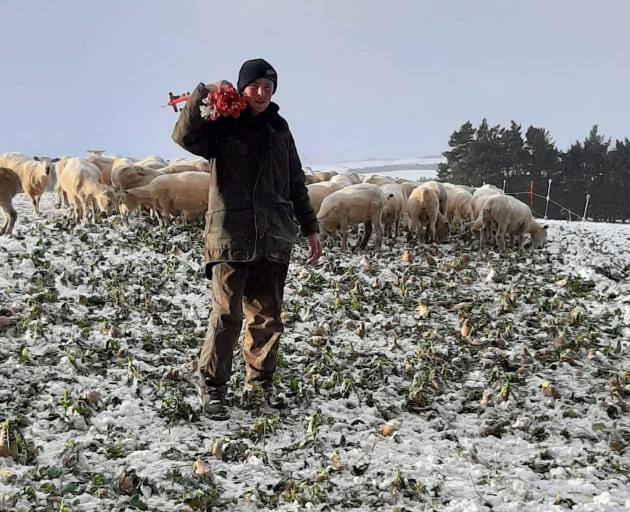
{"x":341,"y":179}
{"x":182,"y":165}
{"x":394,"y":208}
{"x":183,"y":193}
{"x":511,"y":217}
{"x":81,"y":182}
{"x":9,"y":186}
{"x":104,"y":164}
{"x":317,"y":192}
{"x":408,"y":187}
{"x":440,"y":190}
{"x":423,"y":212}
{"x":480,"y":195}
{"x":325,"y":175}
{"x":129,"y":176}
{"x":34,"y":175}
{"x":362,"y":203}
{"x":152,"y":162}
{"x":479,"y":198}
{"x":458,"y":206}
{"x":353,"y":176}
{"x":376,"y":179}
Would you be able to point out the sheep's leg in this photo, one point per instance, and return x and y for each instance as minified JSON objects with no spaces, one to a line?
{"x":9,"y":221}
{"x":431,"y":230}
{"x":78,"y":210}
{"x":11,"y":215}
{"x":35,"y":205}
{"x":367,"y":233}
{"x":483,"y":234}
{"x":378,"y":230}
{"x":343,"y":231}
{"x":397,"y":226}
{"x":95,"y":209}
{"x":500,"y":237}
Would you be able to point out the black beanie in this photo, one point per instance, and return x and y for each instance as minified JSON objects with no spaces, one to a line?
{"x":253,"y":70}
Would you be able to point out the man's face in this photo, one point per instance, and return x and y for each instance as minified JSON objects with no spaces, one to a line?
{"x":258,"y":95}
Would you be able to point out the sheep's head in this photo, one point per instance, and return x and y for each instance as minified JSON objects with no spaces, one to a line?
{"x":46,"y":165}
{"x":106,"y":201}
{"x":329,"y":226}
{"x":442,"y":229}
{"x":539,"y":237}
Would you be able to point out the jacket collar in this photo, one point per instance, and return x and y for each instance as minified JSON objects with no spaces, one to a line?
{"x":270,"y":117}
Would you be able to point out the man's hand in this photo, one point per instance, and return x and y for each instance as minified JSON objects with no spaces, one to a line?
{"x":215,"y":86}
{"x":315,"y":246}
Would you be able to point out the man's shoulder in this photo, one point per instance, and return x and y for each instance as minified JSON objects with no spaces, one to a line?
{"x":277,"y":122}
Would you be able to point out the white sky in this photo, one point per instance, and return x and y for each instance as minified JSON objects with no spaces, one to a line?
{"x":357,"y":79}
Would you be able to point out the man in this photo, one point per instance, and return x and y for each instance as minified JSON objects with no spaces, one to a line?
{"x":257,"y":190}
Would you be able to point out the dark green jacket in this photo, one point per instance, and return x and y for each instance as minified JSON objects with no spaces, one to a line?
{"x":257,"y":189}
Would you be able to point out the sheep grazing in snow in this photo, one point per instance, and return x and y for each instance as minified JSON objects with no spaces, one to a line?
{"x":9,"y":187}
{"x":353,"y":177}
{"x":362,"y":203}
{"x":342,"y":179}
{"x":325,"y":175}
{"x":80,"y":180}
{"x":375,"y":179}
{"x":183,"y":193}
{"x":310,"y":179}
{"x":104,"y":164}
{"x":34,"y":175}
{"x":458,"y":206}
{"x":319,"y":191}
{"x":125,"y":177}
{"x":440,"y":191}
{"x":152,"y":162}
{"x":408,"y":187}
{"x":183,"y":165}
{"x":423,"y":211}
{"x":511,"y":217}
{"x":480,"y":196}
{"x":394,"y":207}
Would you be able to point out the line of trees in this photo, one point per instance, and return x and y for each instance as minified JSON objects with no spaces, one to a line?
{"x":492,"y":154}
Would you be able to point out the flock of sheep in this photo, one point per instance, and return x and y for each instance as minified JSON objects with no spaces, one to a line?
{"x":430,"y":209}
{"x":106,"y":184}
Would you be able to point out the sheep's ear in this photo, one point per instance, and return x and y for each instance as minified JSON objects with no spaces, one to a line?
{"x":545,"y":227}
{"x":53,"y":160}
{"x":36,"y":158}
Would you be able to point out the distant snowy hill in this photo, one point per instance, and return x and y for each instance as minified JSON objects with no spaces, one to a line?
{"x":408,"y":168}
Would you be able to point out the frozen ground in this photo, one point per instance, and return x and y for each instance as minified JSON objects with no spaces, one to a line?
{"x":459,"y":381}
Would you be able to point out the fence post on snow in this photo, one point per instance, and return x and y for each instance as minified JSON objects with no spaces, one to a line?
{"x":588,"y":198}
{"x":531,"y":194}
{"x":503,"y":186}
{"x":548,"y":197}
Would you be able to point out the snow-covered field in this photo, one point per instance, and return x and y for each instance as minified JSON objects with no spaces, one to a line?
{"x":458,"y":381}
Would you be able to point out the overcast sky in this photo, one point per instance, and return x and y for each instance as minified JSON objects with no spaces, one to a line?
{"x":356,"y":79}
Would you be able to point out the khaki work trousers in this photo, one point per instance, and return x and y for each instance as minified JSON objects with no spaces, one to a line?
{"x":255,"y":289}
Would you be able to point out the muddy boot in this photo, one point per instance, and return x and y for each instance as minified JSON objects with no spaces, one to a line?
{"x":262,"y":395}
{"x":213,"y":401}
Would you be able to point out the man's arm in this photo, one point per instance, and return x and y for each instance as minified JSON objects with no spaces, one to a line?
{"x":192,"y":132}
{"x":299,"y":194}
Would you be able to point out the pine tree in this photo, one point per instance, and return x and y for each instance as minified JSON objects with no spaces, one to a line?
{"x":455,"y":169}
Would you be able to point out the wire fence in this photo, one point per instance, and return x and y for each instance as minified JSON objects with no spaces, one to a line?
{"x":562,"y":208}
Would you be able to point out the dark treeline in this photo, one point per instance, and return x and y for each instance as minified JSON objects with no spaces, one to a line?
{"x":492,"y":154}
